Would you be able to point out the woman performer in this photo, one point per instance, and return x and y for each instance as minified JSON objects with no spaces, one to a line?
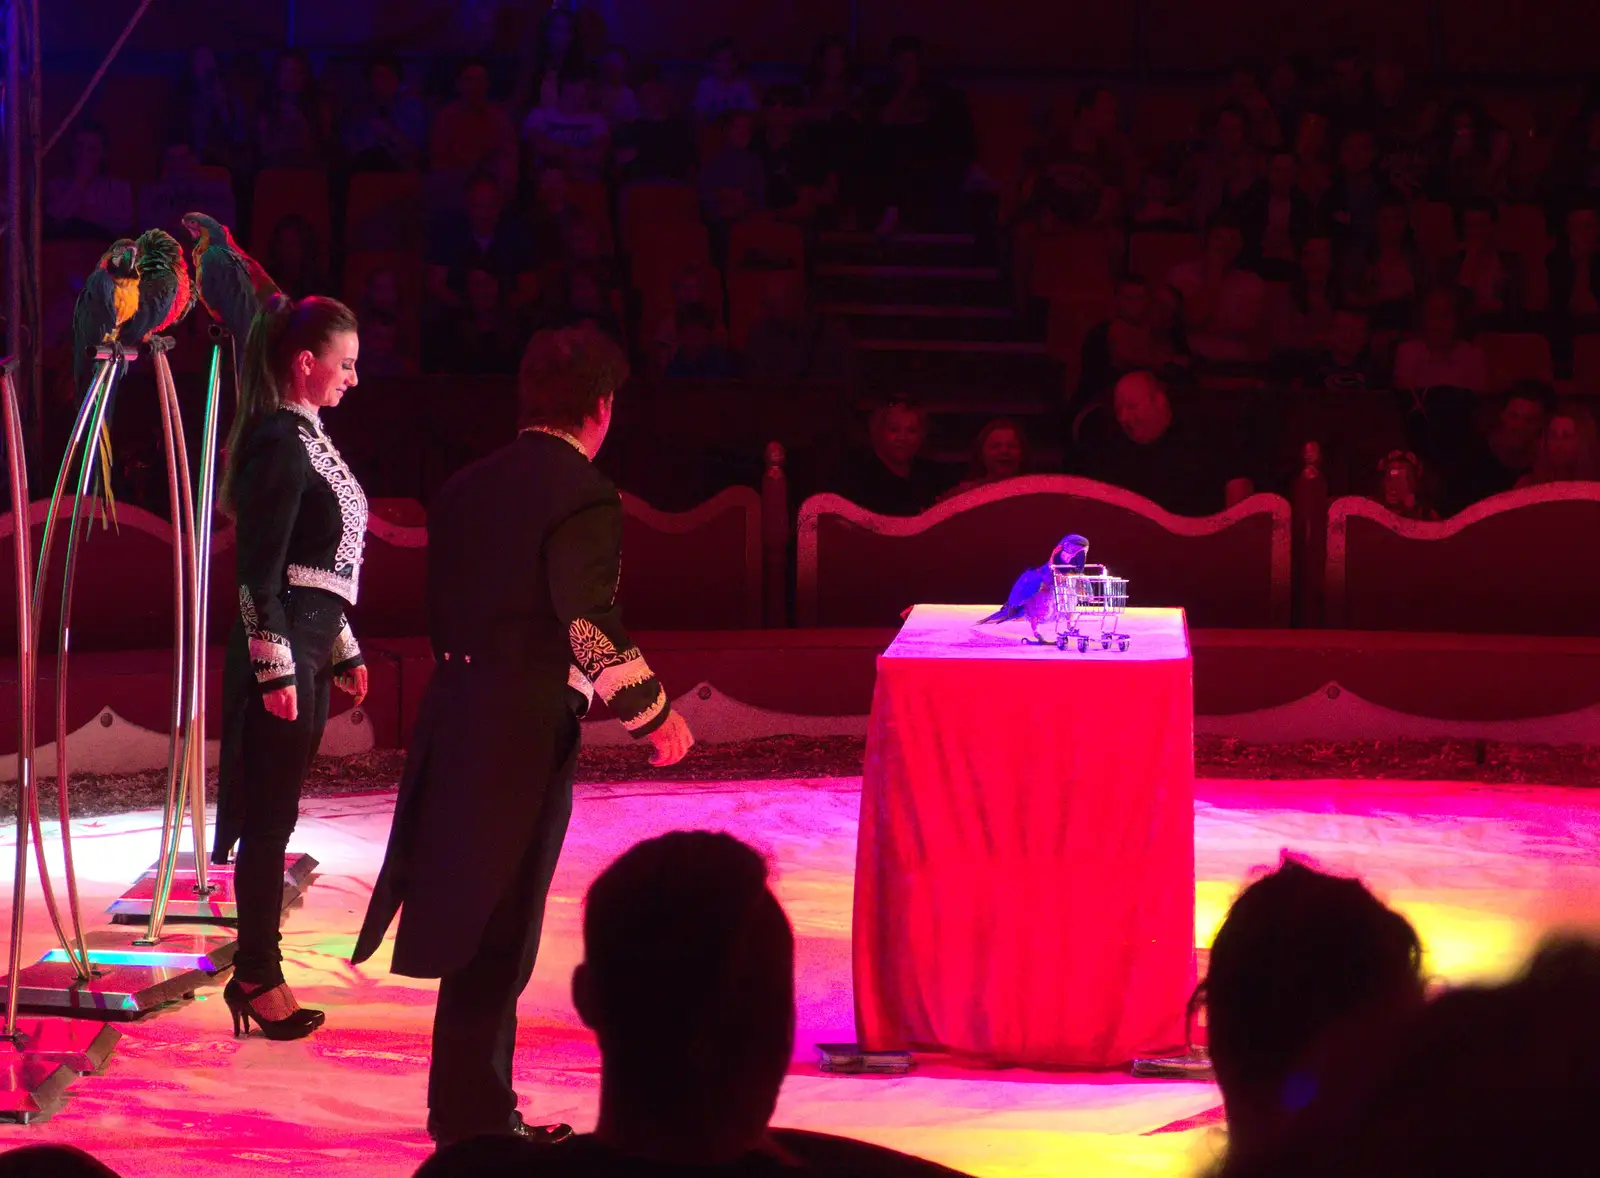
{"x":301,"y":523}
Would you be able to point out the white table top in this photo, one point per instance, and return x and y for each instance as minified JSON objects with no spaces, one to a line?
{"x":951,"y":632}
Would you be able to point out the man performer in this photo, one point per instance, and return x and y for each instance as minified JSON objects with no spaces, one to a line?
{"x":524,"y":552}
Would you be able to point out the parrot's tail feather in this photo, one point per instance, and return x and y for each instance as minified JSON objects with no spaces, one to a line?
{"x":1000,"y":615}
{"x":107,"y":499}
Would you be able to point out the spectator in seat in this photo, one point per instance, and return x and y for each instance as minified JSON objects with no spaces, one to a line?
{"x":571,"y":135}
{"x":1492,"y":278}
{"x":1228,"y":169}
{"x":788,"y":342}
{"x":471,"y":134}
{"x":1403,"y":118}
{"x":733,"y":183}
{"x":381,"y":351}
{"x":295,"y":129}
{"x":1394,"y":276}
{"x":1345,"y":366}
{"x":556,"y":52}
{"x":1127,"y":342}
{"x":592,"y":299}
{"x":183,"y":188}
{"x":1141,"y":446}
{"x":1573,"y":278}
{"x":485,"y":336}
{"x":209,"y":115}
{"x":1313,"y":155}
{"x":1470,"y":157}
{"x":1440,"y":357}
{"x":1159,"y":204}
{"x":388,"y":129}
{"x":1402,"y":489}
{"x":1083,"y":174}
{"x":381,"y":294}
{"x":1302,"y":960}
{"x":1000,"y":452}
{"x":832,"y":90}
{"x":1569,"y":450}
{"x":801,"y":181}
{"x":1350,"y":207}
{"x":1349,"y":98}
{"x":86,"y":203}
{"x":698,"y":354}
{"x":614,"y":96}
{"x":484,"y":236}
{"x":1302,"y":314}
{"x":658,"y":145}
{"x":1498,"y":461}
{"x":1576,"y":170}
{"x":724,"y":89}
{"x":1223,"y":304}
{"x":1276,"y":217}
{"x":294,"y":258}
{"x":892,"y":477}
{"x":1286,"y":91}
{"x":1246,"y":94}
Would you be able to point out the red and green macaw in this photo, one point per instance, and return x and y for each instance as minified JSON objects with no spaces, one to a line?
{"x":166,"y":294}
{"x":231,"y":284}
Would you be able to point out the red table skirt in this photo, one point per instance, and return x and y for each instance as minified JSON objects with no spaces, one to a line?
{"x":1025,"y":868}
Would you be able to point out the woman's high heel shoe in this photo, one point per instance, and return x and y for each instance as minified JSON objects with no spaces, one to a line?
{"x":252,"y":1007}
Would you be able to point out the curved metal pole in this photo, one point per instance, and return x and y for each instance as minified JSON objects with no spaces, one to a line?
{"x":180,"y":735}
{"x":17,"y":469}
{"x":69,"y":577}
{"x":91,"y":412}
{"x":204,"y":507}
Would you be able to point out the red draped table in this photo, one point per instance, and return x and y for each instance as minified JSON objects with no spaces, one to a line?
{"x":1025,"y":866}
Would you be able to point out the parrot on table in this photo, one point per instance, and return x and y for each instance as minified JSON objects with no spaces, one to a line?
{"x":1034,"y":595}
{"x":109,"y":300}
{"x":231,"y":284}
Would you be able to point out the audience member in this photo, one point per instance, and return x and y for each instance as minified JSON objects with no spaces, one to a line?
{"x":209,"y":116}
{"x":556,"y":52}
{"x":1245,"y":93}
{"x":1492,"y":278}
{"x":1350,"y":206}
{"x":1301,"y":959}
{"x":1345,"y":365}
{"x":1142,"y":447}
{"x":1302,"y":313}
{"x":800,"y":178}
{"x":1286,"y":91}
{"x":591,"y":298}
{"x":891,"y":477}
{"x":1573,"y":279}
{"x":295,"y":129}
{"x":472,"y":134}
{"x":1000,"y":452}
{"x":1277,"y":218}
{"x":1083,"y":173}
{"x":698,"y":354}
{"x":1468,"y":164}
{"x":1508,"y":452}
{"x":1223,"y":304}
{"x":183,"y":188}
{"x":724,"y":89}
{"x":1492,"y":1082}
{"x":51,"y":1161}
{"x":1158,"y":204}
{"x":658,"y":145}
{"x":484,"y":336}
{"x":1229,"y":167}
{"x":570,"y":134}
{"x":1313,"y":156}
{"x":1349,"y":98}
{"x":1575,"y":172}
{"x":733,"y":183}
{"x":294,"y":258}
{"x":1394,"y":275}
{"x":485,"y":236}
{"x":1569,"y":450}
{"x":614,"y":96}
{"x":87,"y":203}
{"x":381,"y":294}
{"x":832,"y":90}
{"x":382,"y":353}
{"x":1402,"y":487}
{"x":1440,"y":356}
{"x":789,"y":342}
{"x":388,"y":128}
{"x":1403,"y":121}
{"x":554,"y":223}
{"x":1127,"y":342}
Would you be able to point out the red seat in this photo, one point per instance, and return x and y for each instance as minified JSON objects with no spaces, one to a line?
{"x":649,"y":209}
{"x":383,"y":210}
{"x":764,"y":243}
{"x":1154,"y":252}
{"x":1515,"y":355}
{"x":593,"y":202}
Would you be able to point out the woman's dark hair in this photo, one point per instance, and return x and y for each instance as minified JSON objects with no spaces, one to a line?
{"x":565,"y":374}
{"x":281,"y":330}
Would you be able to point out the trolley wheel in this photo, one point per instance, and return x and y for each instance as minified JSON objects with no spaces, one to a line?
{"x":1061,"y":642}
{"x":1083,"y":644}
{"x":1105,"y":642}
{"x":1122,"y":643}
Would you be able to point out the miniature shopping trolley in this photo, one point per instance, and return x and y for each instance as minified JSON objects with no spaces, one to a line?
{"x":1088,"y":603}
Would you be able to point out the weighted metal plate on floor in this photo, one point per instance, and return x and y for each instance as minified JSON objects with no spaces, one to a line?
{"x":114,"y":992}
{"x":210,"y":952}
{"x":31,"y":1086}
{"x":82,"y":1047}
{"x":184,"y":902}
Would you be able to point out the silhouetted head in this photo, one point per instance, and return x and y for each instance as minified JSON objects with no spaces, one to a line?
{"x":51,"y":1161}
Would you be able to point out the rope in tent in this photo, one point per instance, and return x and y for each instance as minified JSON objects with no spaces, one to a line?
{"x":111,"y":55}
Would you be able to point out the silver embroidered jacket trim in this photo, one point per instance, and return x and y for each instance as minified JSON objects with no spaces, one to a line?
{"x":345,"y":576}
{"x":649,"y":714}
{"x":622,"y":676}
{"x":304,"y":576}
{"x":345,"y":647}
{"x":579,"y":682}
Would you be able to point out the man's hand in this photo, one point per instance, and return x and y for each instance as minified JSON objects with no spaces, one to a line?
{"x":672,"y":741}
{"x":282,"y":703}
{"x":353,"y":683}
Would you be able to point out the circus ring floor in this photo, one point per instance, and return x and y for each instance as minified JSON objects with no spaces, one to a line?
{"x":1482,"y":870}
